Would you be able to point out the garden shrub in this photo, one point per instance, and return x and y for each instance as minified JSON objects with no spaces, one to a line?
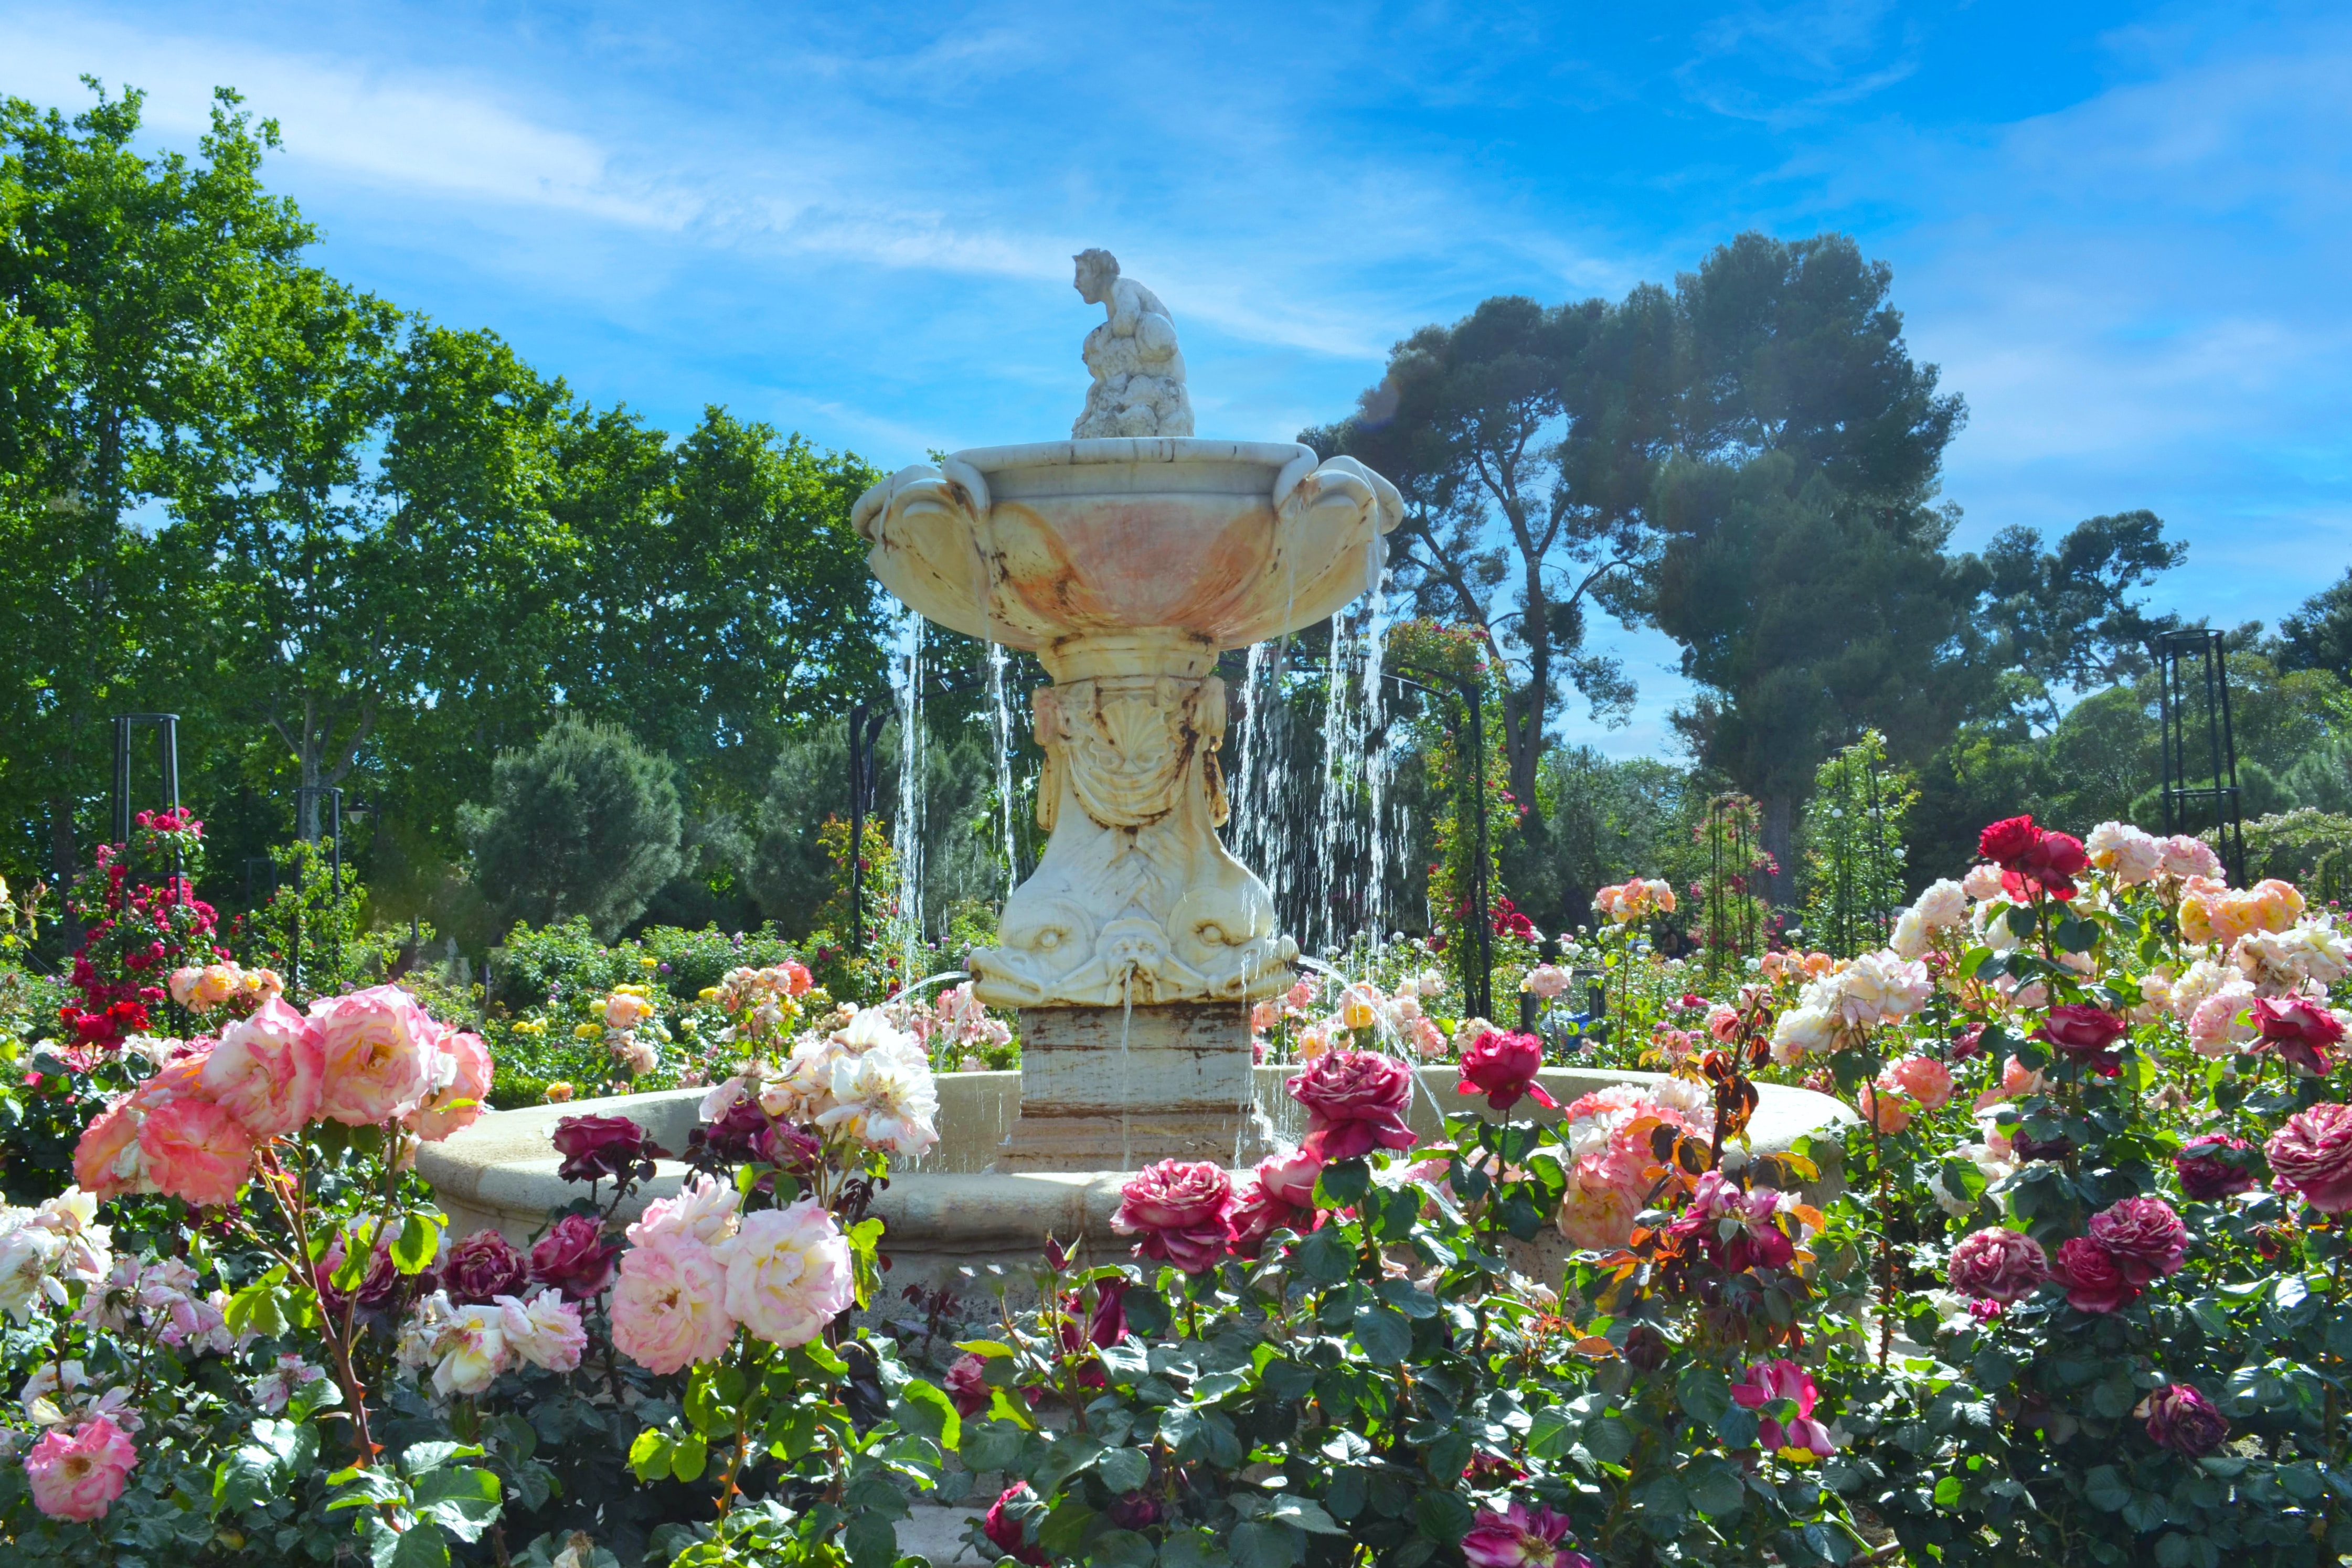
{"x":585,"y":823}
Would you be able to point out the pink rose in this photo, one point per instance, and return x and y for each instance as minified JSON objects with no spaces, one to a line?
{"x":2094,"y":1282}
{"x":1355,"y":1104}
{"x":2312,"y":1155}
{"x":1520,"y":1537}
{"x":1781,"y":1383}
{"x":1290,"y":1178}
{"x":79,"y":1477}
{"x":2144,"y":1236}
{"x":1997,"y":1264}
{"x":380,"y":1048}
{"x":1181,"y":1211}
{"x":789,"y":1273}
{"x":966,"y":1384}
{"x":458,"y":1103}
{"x":2299,"y":1030}
{"x":196,"y":1151}
{"x":669,"y":1309}
{"x":269,"y":1071}
{"x":1503,"y":1067}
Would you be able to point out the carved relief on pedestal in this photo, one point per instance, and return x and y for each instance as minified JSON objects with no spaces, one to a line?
{"x":1135,"y":899}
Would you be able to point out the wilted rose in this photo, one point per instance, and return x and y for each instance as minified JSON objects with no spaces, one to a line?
{"x":2181,"y":1418}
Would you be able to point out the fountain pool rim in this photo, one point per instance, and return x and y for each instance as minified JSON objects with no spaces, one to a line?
{"x":945,"y":1213}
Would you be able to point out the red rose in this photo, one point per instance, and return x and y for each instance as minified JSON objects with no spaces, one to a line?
{"x":2007,"y":842}
{"x":599,"y":1149}
{"x":2205,"y":1175}
{"x":1004,"y":1527}
{"x":1183,"y":1213}
{"x":2312,"y":1156}
{"x":574,"y":1258}
{"x":1355,"y":1104}
{"x":2058,"y":858}
{"x":2094,"y":1282}
{"x":484,"y":1265}
{"x":2084,"y":1032}
{"x":2144,"y":1236}
{"x":1107,"y":1324}
{"x":1997,"y":1264}
{"x":2299,"y":1030}
{"x":2184,"y":1420}
{"x":1503,"y":1067}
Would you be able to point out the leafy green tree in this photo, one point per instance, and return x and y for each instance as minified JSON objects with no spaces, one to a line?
{"x":2318,"y":635}
{"x":119,"y":286}
{"x":2066,"y":617}
{"x":585,"y":823}
{"x":1522,"y":438}
{"x":1854,"y":853}
{"x":1804,"y":569}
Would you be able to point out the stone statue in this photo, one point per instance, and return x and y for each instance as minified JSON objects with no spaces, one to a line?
{"x":1139,"y":371}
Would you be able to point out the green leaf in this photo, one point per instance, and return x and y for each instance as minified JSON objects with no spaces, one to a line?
{"x":1303,"y":1512}
{"x":2104,"y":1486}
{"x":1325,"y":1258}
{"x":925,"y":1408}
{"x":421,"y":1545}
{"x":1385,"y":1332}
{"x":1258,"y":1544}
{"x":1445,"y":1516}
{"x":992,"y":1446}
{"x":1713,"y":1487}
{"x":1118,"y":1549}
{"x":688,"y":1456}
{"x":986,"y":1349}
{"x":872,"y":1540}
{"x":1123,"y":1469}
{"x":460,"y":1499}
{"x":422,"y":1459}
{"x":1342,"y":1184}
{"x":1704,"y":1394}
{"x":649,"y":1456}
{"x":418,"y":1243}
{"x":257,"y":1308}
{"x":1948,"y":1492}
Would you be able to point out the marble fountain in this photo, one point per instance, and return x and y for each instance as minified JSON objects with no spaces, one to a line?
{"x":1126,"y":558}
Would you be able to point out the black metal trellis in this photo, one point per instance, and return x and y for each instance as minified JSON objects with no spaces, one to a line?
{"x":1478,"y":956}
{"x":166,"y":727}
{"x":2193,"y":682}
{"x":1731,"y":860}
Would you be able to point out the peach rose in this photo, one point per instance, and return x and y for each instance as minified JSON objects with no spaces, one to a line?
{"x":458,"y":1103}
{"x":196,"y":1151}
{"x":1923,"y":1078}
{"x":269,"y":1071}
{"x":380,"y":1051}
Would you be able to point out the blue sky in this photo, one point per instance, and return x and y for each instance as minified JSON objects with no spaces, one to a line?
{"x":2121,"y":231}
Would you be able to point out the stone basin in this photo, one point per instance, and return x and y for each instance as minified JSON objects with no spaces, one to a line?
{"x":948,"y":1210}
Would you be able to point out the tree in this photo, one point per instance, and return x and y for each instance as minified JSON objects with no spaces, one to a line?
{"x":2318,"y":636}
{"x":584,"y":823}
{"x":305,"y":608}
{"x":119,"y":285}
{"x":1522,"y":439}
{"x":1804,"y":568}
{"x":2066,"y":618}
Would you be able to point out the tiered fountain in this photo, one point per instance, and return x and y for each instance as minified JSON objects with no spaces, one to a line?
{"x":1126,"y":558}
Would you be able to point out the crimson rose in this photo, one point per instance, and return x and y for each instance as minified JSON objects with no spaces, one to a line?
{"x":2094,"y":1282}
{"x":1355,"y":1104}
{"x":1181,"y":1211}
{"x":1503,"y":1067}
{"x":2144,"y":1236}
{"x":2312,"y":1155}
{"x":574,"y":1258}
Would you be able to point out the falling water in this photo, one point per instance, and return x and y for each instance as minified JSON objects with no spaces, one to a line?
{"x":906,"y":835}
{"x":1001,"y":721}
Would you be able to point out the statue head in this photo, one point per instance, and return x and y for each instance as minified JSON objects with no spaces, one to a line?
{"x":1098,"y":270}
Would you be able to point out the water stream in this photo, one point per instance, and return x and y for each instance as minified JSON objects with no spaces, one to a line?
{"x":907,"y":833}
